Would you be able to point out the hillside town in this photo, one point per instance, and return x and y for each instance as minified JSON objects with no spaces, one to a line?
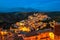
{"x":38,"y":26}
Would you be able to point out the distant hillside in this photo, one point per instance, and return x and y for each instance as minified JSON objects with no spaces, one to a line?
{"x":12,"y":17}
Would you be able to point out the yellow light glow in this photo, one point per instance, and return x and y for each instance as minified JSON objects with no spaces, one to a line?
{"x":3,"y":33}
{"x":51,"y":34}
{"x":25,"y":29}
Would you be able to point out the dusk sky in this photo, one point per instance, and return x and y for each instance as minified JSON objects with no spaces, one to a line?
{"x":44,"y":5}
